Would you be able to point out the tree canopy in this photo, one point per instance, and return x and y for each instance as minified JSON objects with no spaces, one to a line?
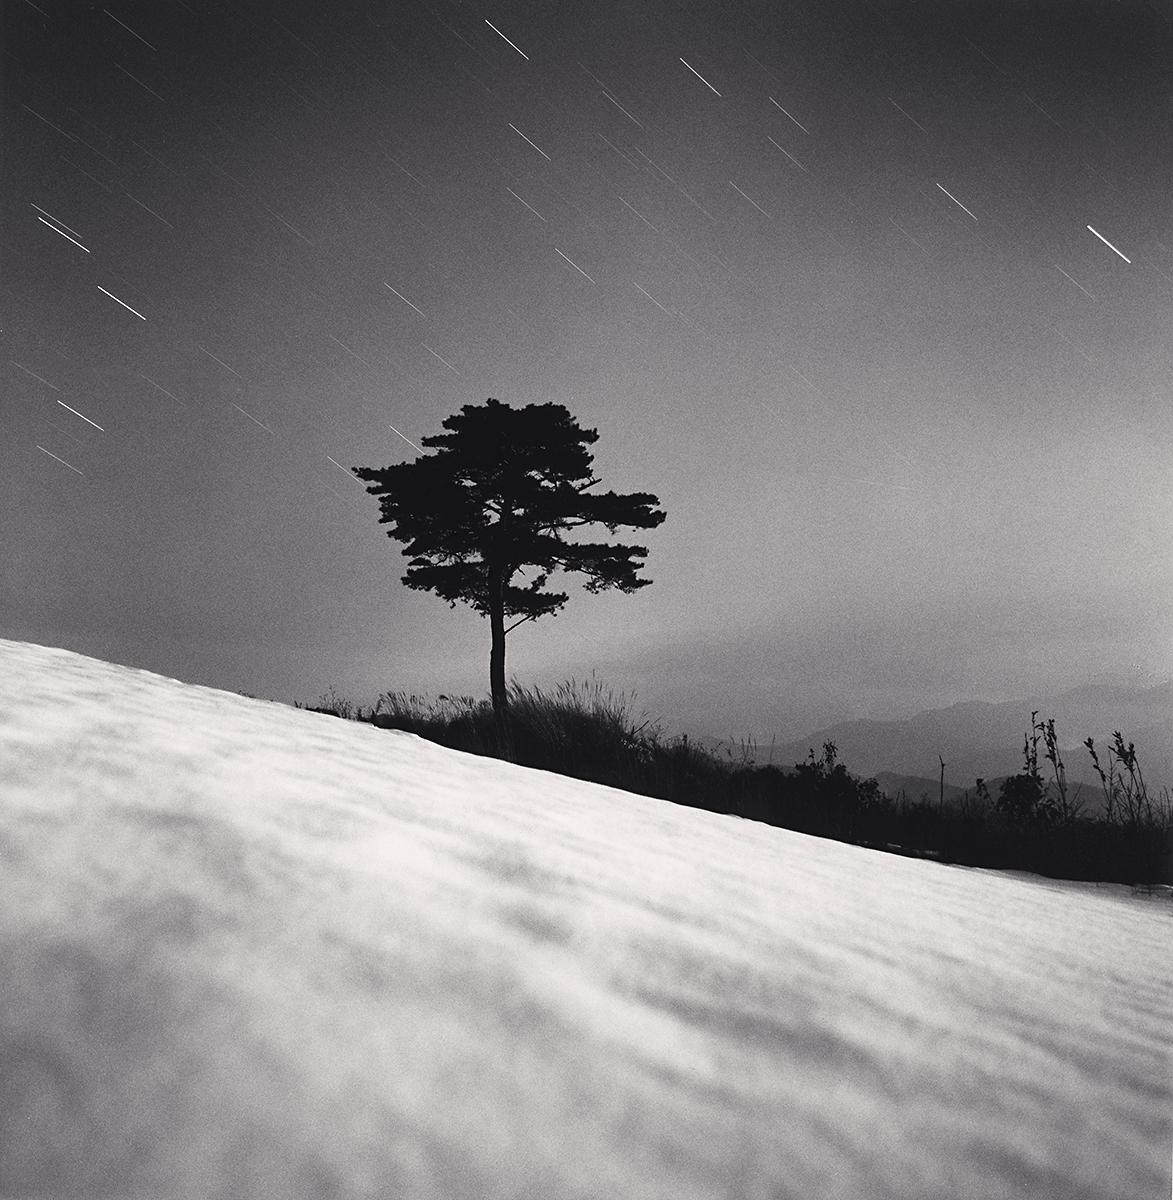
{"x":497,"y":496}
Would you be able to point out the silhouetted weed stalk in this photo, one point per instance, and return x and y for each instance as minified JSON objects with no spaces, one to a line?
{"x":1036,"y":822}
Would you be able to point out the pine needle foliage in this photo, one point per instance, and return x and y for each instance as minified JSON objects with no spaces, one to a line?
{"x":497,"y":497}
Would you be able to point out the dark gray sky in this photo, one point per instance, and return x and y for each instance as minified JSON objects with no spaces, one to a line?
{"x":821,"y":274}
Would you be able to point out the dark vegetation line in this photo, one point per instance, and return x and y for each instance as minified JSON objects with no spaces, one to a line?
{"x":1034,"y":823}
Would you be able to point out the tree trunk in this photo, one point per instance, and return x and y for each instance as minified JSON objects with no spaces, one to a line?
{"x":497,"y":656}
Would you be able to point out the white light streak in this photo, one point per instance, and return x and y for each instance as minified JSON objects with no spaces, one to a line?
{"x":1109,"y":245}
{"x":57,"y":220}
{"x":955,"y":200}
{"x":620,"y":107}
{"x":94,"y":150}
{"x":60,"y":460}
{"x":404,"y":436}
{"x":501,"y":35}
{"x":796,"y":371}
{"x":529,"y":206}
{"x":353,"y":478}
{"x":623,"y":156}
{"x":441,"y":358}
{"x":1076,"y":282}
{"x":903,"y":113}
{"x":906,"y":233}
{"x":152,"y":156}
{"x":701,"y":78}
{"x":46,"y":120}
{"x":653,"y":300}
{"x":161,"y":388}
{"x":696,"y":204}
{"x":986,"y":57}
{"x":525,"y":139}
{"x":129,"y":30}
{"x":788,"y":155}
{"x":300,"y":41}
{"x":753,"y":202}
{"x":251,"y":418}
{"x":63,"y":234}
{"x":638,"y":214}
{"x":1031,"y":100}
{"x":405,"y":300}
{"x":574,"y":265}
{"x":151,"y":211}
{"x":219,"y":360}
{"x":140,"y":83}
{"x":656,"y":166}
{"x":122,"y":302}
{"x":782,"y":110}
{"x":399,"y":166}
{"x":86,"y":173}
{"x":34,"y":375}
{"x":292,"y":228}
{"x":357,"y":357}
{"x":82,"y":415}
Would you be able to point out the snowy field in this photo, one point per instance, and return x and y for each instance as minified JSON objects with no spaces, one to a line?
{"x":248,"y":951}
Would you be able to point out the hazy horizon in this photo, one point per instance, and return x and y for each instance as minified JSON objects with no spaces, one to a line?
{"x":874,"y":298}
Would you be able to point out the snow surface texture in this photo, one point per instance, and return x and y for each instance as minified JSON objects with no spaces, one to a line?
{"x":249,"y":951}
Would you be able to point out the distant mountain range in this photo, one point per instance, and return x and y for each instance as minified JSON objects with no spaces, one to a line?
{"x":983,"y":740}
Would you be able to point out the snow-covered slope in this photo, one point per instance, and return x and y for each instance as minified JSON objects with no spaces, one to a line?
{"x":248,"y":951}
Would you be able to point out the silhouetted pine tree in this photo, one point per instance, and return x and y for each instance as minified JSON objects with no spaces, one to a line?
{"x":498,"y":495}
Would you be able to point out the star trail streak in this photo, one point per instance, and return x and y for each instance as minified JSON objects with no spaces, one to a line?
{"x":638,"y":214}
{"x":205,"y":350}
{"x":788,"y":155}
{"x":525,"y":139}
{"x":403,"y":298}
{"x":34,"y":375}
{"x":956,"y":201}
{"x":57,"y":222}
{"x":148,"y":208}
{"x":129,"y":30}
{"x":349,"y":474}
{"x":529,"y":206}
{"x":902,"y":112}
{"x":441,"y":359}
{"x":1077,"y":284}
{"x":252,"y":418}
{"x":122,"y":302}
{"x":82,"y":415}
{"x":795,"y":120}
{"x":161,"y":388}
{"x":619,"y":106}
{"x":1109,"y":245}
{"x":137,"y":80}
{"x":60,"y":460}
{"x":701,"y":78}
{"x":753,"y":202}
{"x":652,"y":299}
{"x":501,"y":35}
{"x":574,"y":264}
{"x":46,"y":121}
{"x":64,"y":234}
{"x":405,"y":438}
{"x":358,"y":358}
